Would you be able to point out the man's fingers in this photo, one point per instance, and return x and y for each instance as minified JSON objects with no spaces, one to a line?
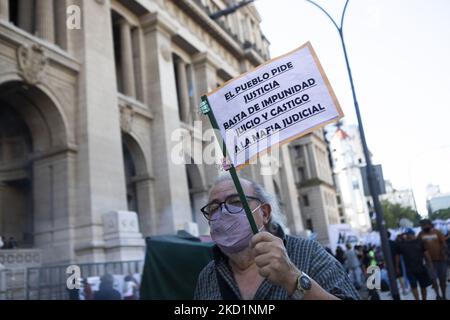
{"x":264,"y":271}
{"x":263,"y":260}
{"x":261,"y":248}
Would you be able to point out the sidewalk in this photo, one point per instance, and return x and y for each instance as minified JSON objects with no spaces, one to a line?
{"x":431,"y":295}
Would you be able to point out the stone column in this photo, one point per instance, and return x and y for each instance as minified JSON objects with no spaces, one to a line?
{"x":99,"y":157}
{"x":171,"y":187}
{"x":192,"y":92}
{"x":4,"y":10}
{"x":129,"y":84}
{"x":54,"y":207}
{"x":26,"y":15}
{"x":146,"y":206}
{"x":183,"y":90}
{"x":61,"y":32}
{"x":249,"y":30}
{"x":206,"y":78}
{"x":138,"y":54}
{"x":315,"y":160}
{"x":308,"y":173}
{"x":45,"y":20}
{"x":311,"y":161}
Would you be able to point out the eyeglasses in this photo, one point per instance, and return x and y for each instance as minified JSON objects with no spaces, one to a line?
{"x":233,"y":204}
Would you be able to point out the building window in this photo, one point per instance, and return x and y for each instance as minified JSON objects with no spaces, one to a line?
{"x":309,"y":224}
{"x":355,"y":184}
{"x":298,"y":152}
{"x":301,"y":174}
{"x":305,"y":200}
{"x":127,"y":57}
{"x":40,"y":18}
{"x":185,"y":86}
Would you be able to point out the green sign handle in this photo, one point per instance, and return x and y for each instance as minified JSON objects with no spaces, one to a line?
{"x":206,"y":109}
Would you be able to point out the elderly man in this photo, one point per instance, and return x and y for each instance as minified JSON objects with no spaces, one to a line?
{"x":269,"y":265}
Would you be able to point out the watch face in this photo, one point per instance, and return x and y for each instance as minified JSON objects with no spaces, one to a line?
{"x":305,"y":283}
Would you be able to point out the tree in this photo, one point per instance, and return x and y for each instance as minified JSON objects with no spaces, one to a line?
{"x":393,"y":212}
{"x":443,"y":214}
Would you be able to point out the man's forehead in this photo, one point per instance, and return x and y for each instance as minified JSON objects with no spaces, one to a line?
{"x":225,"y":188}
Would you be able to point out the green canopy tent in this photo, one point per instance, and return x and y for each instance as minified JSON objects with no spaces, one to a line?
{"x":172,"y":265}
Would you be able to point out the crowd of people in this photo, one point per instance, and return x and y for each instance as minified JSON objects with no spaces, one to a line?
{"x":107,"y":289}
{"x":420,"y":261}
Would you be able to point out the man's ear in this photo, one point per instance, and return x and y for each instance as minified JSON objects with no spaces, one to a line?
{"x":267,"y":213}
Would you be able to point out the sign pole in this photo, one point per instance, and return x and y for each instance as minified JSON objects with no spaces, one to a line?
{"x":206,"y":110}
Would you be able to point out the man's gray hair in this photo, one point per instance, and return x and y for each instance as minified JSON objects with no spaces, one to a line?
{"x":277,"y":219}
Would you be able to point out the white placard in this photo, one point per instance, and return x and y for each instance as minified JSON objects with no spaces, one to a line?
{"x":340,"y":235}
{"x":275,"y":103}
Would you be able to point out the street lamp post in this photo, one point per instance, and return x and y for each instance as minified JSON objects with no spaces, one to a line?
{"x":370,"y":173}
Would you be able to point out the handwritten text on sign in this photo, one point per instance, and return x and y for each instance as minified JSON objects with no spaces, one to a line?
{"x":277,"y":102}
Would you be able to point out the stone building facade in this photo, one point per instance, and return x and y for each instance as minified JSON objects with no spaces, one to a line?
{"x":89,"y":118}
{"x":315,"y":185}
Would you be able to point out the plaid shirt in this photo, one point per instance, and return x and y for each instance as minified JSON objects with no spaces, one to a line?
{"x":309,"y":257}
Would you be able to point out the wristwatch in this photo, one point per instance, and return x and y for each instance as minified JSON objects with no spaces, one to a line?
{"x":304,"y":284}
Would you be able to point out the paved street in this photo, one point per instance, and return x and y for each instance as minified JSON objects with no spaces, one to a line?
{"x":430,"y":294}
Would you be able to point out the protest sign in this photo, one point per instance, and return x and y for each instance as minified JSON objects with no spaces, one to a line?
{"x":275,"y":103}
{"x":340,"y":235}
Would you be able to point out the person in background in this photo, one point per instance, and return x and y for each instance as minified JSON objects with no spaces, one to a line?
{"x":11,"y":244}
{"x":401,"y":237}
{"x":378,"y":253}
{"x":107,"y":292}
{"x":365,"y":259}
{"x":372,"y":258}
{"x":384,"y":278}
{"x":360,"y":254}
{"x":87,"y":290}
{"x":340,"y":256}
{"x":130,"y":288}
{"x":447,"y":240}
{"x":353,"y":266}
{"x":435,"y":244}
{"x":398,"y":275}
{"x":6,"y":243}
{"x":413,"y":252}
{"x":74,"y":294}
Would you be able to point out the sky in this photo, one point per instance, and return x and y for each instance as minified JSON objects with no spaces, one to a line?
{"x":399,"y":53}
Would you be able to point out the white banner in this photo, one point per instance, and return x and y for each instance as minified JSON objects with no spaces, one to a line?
{"x":340,"y":235}
{"x":277,"y":102}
